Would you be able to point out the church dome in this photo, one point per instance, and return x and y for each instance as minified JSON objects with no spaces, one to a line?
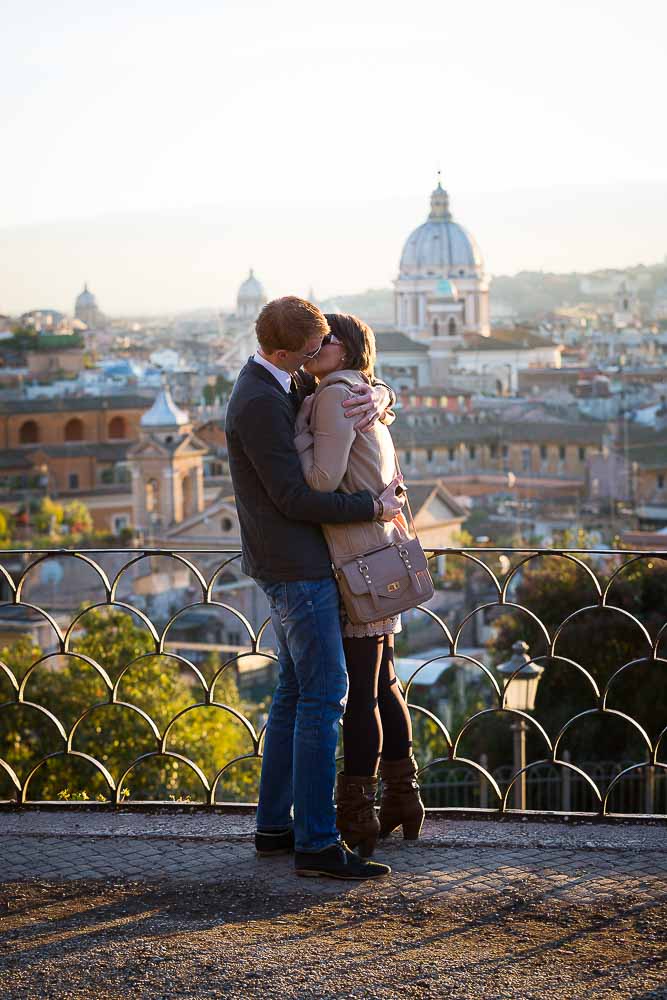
{"x":164,"y":413}
{"x":251,"y":290}
{"x":439,"y":246}
{"x":86,"y":299}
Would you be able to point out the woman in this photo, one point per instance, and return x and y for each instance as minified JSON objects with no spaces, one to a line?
{"x":376,"y":725}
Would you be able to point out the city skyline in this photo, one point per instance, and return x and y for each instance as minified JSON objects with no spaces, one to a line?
{"x":151,"y":264}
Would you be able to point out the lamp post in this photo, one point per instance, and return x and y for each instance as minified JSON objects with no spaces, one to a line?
{"x":520,"y":696}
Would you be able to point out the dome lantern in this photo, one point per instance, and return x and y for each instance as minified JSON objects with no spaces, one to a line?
{"x":440,"y":204}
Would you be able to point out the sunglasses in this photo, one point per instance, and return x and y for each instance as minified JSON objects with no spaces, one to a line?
{"x":326,"y":339}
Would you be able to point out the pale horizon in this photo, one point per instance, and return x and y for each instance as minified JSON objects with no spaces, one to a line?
{"x":158,"y":154}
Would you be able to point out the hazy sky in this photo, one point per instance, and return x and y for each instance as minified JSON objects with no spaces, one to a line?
{"x":158,"y":149}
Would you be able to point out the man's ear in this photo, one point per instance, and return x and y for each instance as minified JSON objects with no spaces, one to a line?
{"x":281,"y":355}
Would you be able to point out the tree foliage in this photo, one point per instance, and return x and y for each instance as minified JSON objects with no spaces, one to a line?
{"x":116,"y":735}
{"x":601,"y":640}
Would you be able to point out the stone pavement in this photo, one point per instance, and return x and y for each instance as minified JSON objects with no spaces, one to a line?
{"x":576,"y":863}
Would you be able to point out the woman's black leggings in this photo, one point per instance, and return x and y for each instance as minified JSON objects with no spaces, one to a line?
{"x":376,"y":720}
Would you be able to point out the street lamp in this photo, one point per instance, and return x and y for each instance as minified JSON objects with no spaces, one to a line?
{"x":520,"y":696}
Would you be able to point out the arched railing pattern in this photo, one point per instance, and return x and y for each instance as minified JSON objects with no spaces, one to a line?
{"x":78,"y":734}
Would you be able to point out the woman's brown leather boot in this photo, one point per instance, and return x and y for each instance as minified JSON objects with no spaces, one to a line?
{"x":355,"y":812}
{"x":401,"y":804}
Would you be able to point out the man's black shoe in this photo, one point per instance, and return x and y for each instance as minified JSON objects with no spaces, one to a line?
{"x":338,"y":861}
{"x":268,"y":845}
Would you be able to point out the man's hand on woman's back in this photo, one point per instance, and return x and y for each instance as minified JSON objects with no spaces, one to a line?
{"x":370,"y":403}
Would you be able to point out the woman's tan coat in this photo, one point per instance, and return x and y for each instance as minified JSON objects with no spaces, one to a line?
{"x":336,"y":457}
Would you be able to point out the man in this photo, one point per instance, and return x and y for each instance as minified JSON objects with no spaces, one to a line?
{"x":285,"y":552}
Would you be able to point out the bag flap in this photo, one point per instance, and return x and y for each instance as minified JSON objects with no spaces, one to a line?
{"x":385,"y":568}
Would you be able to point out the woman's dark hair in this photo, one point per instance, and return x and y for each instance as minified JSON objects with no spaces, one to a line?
{"x":358,"y":340}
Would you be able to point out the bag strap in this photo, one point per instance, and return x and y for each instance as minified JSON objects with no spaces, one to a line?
{"x":410,"y":519}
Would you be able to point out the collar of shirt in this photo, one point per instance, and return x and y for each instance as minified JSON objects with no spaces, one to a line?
{"x":283,"y":378}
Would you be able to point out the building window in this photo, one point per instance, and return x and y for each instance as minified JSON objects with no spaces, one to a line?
{"x":561,"y":453}
{"x":543,"y":452}
{"x":505,"y":451}
{"x":452,"y":454}
{"x":117,"y":428}
{"x":29,"y":432}
{"x":74,"y":429}
{"x":408,"y":457}
{"x":582,"y":454}
{"x":226,"y":524}
{"x":660,"y":478}
{"x":73,"y":481}
{"x":452,"y":327}
{"x":429,"y":454}
{"x":525,"y":459}
{"x":472,"y":451}
{"x":436,"y":328}
{"x":493,"y":451}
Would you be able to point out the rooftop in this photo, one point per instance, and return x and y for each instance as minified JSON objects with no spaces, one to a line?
{"x":394,"y":340}
{"x":518,"y":339}
{"x":67,"y":404}
{"x":546,"y":432}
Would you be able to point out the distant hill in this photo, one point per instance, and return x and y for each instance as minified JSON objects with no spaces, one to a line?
{"x":529,"y":293}
{"x":532,"y":293}
{"x":376,"y":305}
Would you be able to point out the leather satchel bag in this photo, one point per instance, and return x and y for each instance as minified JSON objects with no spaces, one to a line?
{"x":385,"y":581}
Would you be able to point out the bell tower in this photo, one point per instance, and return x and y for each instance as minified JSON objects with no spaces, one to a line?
{"x":167,"y":468}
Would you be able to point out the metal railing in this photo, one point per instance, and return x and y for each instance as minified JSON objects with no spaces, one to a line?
{"x":117,"y":716}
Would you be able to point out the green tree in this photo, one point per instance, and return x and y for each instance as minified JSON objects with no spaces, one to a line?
{"x":116,"y":735}
{"x":601,"y":641}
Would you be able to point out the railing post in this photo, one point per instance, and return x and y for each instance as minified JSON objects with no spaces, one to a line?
{"x":519,"y":734}
{"x":566,"y":784}
{"x":649,"y":790}
{"x":483,"y":783}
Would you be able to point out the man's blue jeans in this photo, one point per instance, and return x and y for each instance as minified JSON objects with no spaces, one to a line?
{"x":299,"y":762}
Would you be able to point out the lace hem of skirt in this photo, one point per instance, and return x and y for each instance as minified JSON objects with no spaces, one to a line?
{"x":388,"y":626}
